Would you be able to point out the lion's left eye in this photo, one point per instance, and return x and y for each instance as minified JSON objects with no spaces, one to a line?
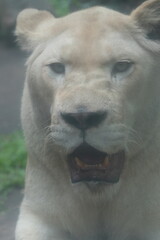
{"x":57,"y":67}
{"x":122,"y":66}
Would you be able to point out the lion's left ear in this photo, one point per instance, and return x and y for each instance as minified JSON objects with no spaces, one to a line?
{"x":147,"y":17}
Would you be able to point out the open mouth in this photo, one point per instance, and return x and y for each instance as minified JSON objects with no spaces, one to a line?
{"x":88,"y":164}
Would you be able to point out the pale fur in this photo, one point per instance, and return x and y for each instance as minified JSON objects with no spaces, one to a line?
{"x":90,"y":42}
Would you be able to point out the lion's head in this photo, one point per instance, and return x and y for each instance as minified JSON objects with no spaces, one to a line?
{"x":88,"y":80}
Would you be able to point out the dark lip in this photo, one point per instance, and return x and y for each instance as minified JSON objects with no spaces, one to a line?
{"x":92,"y":165}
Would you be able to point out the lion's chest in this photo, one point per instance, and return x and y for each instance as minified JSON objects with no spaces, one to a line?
{"x":99,"y":222}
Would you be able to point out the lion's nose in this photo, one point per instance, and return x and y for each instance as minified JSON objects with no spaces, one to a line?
{"x":84,"y":120}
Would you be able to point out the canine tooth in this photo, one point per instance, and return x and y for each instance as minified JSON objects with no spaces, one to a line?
{"x":106,"y":162}
{"x":79,"y":162}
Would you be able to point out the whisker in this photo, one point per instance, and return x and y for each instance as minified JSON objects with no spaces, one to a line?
{"x":133,"y":138}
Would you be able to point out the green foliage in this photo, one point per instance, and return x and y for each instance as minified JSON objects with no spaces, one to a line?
{"x":63,"y":7}
{"x":12,"y":161}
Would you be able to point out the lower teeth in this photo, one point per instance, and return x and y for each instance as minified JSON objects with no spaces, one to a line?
{"x":83,"y":165}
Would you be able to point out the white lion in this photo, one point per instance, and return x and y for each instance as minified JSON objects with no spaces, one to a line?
{"x":90,"y":114}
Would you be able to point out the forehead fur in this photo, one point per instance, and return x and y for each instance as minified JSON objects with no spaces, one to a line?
{"x":94,"y":17}
{"x":93,"y":23}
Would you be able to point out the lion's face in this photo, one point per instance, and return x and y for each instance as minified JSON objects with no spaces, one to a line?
{"x":91,"y":79}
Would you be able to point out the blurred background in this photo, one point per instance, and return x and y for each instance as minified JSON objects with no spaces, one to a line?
{"x":12,"y":74}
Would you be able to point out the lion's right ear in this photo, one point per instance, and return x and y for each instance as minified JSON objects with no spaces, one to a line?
{"x":32,"y":27}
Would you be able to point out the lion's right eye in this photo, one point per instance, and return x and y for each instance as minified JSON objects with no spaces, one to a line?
{"x":57,"y":67}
